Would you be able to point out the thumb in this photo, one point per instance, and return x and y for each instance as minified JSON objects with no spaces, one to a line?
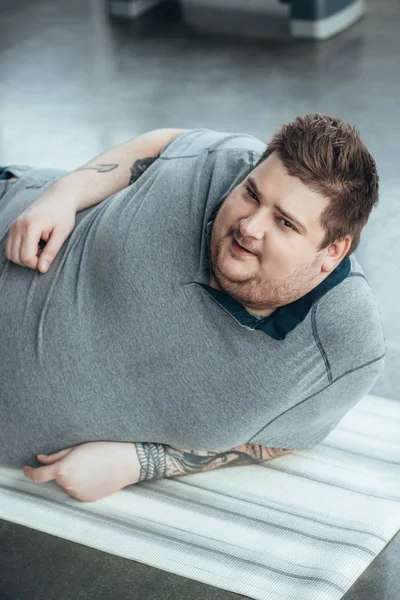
{"x":50,"y":251}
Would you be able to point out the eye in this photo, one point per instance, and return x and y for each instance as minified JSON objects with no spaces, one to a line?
{"x":251,"y":194}
{"x":288,"y":225}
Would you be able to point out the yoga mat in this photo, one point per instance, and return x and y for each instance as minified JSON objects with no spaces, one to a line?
{"x":301,"y":527}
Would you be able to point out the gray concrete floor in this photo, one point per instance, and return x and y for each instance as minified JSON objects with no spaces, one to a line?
{"x":74,"y":82}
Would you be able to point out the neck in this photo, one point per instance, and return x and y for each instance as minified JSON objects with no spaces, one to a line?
{"x":261,"y":312}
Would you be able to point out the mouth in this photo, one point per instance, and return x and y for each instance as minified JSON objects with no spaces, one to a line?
{"x":238,"y":249}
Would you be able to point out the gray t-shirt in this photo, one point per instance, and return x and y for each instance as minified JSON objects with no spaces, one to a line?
{"x":120,"y":341}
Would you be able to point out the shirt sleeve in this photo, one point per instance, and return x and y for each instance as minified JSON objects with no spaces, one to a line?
{"x":307,"y":423}
{"x":349,"y":336}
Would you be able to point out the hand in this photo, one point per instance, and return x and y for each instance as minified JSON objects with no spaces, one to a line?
{"x":89,"y":471}
{"x":51,"y":218}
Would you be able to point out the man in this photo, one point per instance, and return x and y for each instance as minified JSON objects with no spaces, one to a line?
{"x":206,"y":302}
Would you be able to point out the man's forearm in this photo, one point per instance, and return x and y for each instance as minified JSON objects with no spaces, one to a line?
{"x":160,"y":460}
{"x":113,"y":170}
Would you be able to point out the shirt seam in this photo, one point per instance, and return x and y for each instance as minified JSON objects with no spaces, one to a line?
{"x":5,"y":188}
{"x":251,"y":159}
{"x":315,"y":330}
{"x":318,"y":341}
{"x":370,"y":362}
{"x":208,"y":150}
{"x":358,"y":275}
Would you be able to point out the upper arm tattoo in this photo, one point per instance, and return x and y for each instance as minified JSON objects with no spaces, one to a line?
{"x":139,"y":167}
{"x":160,"y":460}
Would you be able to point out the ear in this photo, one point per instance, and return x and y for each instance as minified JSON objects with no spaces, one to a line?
{"x":335,"y":253}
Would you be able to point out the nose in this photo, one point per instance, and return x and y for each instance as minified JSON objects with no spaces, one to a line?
{"x":253,"y":226}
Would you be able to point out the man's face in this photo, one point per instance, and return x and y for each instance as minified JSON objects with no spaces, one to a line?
{"x":277,"y":219}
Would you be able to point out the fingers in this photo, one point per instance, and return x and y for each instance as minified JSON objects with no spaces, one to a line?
{"x":29,"y":246}
{"x":50,"y":473}
{"x":8,"y":245}
{"x":41,"y":474}
{"x":51,"y":458}
{"x":51,"y":470}
{"x":57,"y":238}
{"x":22,"y":245}
{"x":14,"y":242}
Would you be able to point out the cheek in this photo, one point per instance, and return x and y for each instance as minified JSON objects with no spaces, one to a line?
{"x":281,"y":256}
{"x":226,"y":220}
{"x":234,"y":208}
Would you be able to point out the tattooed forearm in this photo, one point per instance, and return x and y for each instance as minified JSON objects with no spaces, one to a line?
{"x":152,"y":458}
{"x":160,"y":460}
{"x":99,"y":167}
{"x":140,"y":166}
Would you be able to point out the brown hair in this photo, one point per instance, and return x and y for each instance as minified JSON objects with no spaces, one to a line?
{"x":328,"y":156}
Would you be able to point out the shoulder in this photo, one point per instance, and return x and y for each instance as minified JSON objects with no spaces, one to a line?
{"x":347,"y":324}
{"x":213,"y":162}
{"x":193,"y":142}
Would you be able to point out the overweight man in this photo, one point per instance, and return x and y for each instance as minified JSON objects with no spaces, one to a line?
{"x":202,"y":306}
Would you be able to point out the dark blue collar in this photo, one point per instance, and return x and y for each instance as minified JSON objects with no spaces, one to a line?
{"x":285,"y":318}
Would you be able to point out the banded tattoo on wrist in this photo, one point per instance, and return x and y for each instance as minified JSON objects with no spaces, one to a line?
{"x":152,"y":458}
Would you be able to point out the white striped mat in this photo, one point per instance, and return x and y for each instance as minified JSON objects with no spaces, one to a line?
{"x":301,"y":527}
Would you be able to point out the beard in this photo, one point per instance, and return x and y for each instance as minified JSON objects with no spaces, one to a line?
{"x":270,"y":293}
